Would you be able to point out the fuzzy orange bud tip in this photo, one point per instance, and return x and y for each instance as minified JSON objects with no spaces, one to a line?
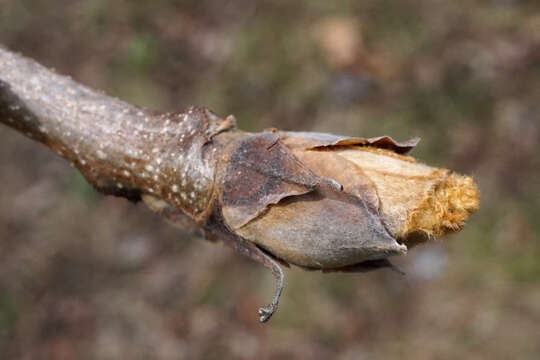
{"x":444,"y":209}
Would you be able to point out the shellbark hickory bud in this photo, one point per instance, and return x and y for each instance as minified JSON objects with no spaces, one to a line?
{"x":332,"y":203}
{"x":314,"y":200}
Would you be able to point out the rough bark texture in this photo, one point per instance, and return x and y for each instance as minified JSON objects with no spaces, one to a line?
{"x":121,"y":149}
{"x":314,"y":200}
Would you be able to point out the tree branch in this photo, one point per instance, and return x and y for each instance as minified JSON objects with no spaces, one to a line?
{"x":121,"y":149}
{"x":315,"y":200}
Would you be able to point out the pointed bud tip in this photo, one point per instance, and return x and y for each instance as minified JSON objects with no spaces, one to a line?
{"x":445,"y":209}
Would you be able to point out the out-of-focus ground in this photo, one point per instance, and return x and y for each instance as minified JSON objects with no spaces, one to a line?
{"x":83,"y":276}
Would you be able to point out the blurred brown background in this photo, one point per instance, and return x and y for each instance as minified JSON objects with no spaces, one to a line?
{"x":84,"y":276}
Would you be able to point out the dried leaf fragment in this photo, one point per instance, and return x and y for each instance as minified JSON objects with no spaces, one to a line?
{"x":261,"y":172}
